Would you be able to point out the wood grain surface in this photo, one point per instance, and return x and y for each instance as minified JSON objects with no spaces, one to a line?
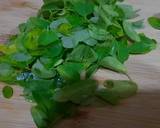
{"x":140,"y":111}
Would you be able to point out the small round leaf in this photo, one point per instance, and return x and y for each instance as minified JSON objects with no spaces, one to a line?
{"x":7,"y":92}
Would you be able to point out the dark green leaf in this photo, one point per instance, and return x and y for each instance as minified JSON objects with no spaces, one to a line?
{"x":144,"y":46}
{"x":128,"y":11}
{"x":123,"y":51}
{"x":36,"y":22}
{"x":91,"y":70}
{"x":7,"y":92}
{"x":154,"y":22}
{"x":68,"y":74}
{"x":84,"y":90}
{"x":108,"y":96}
{"x":83,"y":8}
{"x":54,"y":50}
{"x":47,"y":37}
{"x":39,"y":117}
{"x":75,"y":20}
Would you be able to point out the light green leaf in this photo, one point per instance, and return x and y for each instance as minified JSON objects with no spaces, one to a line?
{"x":55,"y":24}
{"x":128,"y":11}
{"x":113,"y":64}
{"x":21,"y":59}
{"x":97,"y":32}
{"x":65,"y":28}
{"x":90,"y":42}
{"x":102,"y":14}
{"x":130,"y":32}
{"x":123,"y":88}
{"x":30,"y":41}
{"x":7,"y":73}
{"x":109,"y":10}
{"x":69,"y":42}
{"x":83,"y":53}
{"x":39,"y":70}
{"x":81,"y":35}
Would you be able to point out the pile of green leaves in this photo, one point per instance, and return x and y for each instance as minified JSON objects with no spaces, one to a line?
{"x":56,"y":53}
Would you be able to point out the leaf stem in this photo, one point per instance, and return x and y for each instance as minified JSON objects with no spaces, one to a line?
{"x":128,"y":76}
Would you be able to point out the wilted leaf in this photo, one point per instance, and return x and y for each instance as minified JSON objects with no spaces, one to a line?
{"x":122,"y":88}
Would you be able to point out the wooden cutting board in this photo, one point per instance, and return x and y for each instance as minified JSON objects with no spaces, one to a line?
{"x":140,"y":111}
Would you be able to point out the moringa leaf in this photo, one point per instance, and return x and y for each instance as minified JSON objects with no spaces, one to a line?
{"x":83,"y":53}
{"x":122,"y":88}
{"x":130,"y":32}
{"x":83,"y":7}
{"x":47,"y":37}
{"x":55,"y":55}
{"x":154,"y":22}
{"x":7,"y":92}
{"x":144,"y":46}
{"x":65,"y":70}
{"x":39,"y":70}
{"x":113,"y":64}
{"x":84,"y":90}
{"x":108,"y":96}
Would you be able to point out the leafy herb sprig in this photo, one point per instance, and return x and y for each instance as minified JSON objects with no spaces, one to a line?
{"x":56,"y":53}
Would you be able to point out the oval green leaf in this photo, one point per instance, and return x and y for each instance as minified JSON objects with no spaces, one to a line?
{"x":7,"y":92}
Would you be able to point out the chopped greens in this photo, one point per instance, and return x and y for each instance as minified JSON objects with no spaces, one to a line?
{"x":56,"y":53}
